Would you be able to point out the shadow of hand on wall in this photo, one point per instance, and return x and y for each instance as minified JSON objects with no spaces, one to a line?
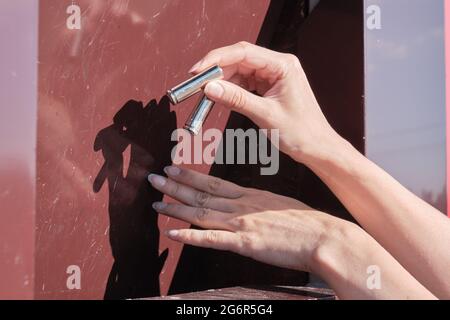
{"x":145,"y":134}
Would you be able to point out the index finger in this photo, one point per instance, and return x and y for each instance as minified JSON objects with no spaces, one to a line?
{"x":206,"y":183}
{"x":245,"y":58}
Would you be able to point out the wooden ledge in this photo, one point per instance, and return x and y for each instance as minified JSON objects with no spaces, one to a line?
{"x":256,"y":293}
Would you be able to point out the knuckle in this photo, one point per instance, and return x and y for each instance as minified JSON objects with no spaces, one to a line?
{"x":174,"y":188}
{"x":201,"y":214}
{"x":292,"y":59}
{"x":202,"y":198}
{"x":238,"y":100}
{"x":247,"y":242}
{"x":211,"y":237}
{"x":186,"y":235}
{"x":292,"y":62}
{"x":244,"y":44}
{"x":214,"y":184}
{"x":240,"y":223}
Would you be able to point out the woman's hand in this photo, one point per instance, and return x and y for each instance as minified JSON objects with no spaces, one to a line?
{"x":285,"y":100}
{"x":287,"y":233}
{"x":283,"y":232}
{"x":266,"y":227}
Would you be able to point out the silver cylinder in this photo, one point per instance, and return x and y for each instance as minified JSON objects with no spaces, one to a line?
{"x":194,"y":85}
{"x":195,"y":122}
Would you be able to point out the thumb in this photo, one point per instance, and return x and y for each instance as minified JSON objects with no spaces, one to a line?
{"x":236,"y":98}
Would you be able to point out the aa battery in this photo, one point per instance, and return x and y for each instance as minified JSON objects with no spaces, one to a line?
{"x":194,"y":85}
{"x":195,"y":122}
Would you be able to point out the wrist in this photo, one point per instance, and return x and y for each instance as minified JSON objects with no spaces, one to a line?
{"x":330,"y":144}
{"x":334,"y":154}
{"x":337,"y":246}
{"x":343,"y":261}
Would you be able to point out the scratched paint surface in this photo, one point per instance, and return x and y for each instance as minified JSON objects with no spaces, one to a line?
{"x":102,"y":127}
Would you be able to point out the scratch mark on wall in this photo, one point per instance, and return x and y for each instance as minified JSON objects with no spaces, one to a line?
{"x":204,"y":12}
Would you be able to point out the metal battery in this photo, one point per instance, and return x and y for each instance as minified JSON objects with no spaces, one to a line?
{"x":195,"y":122}
{"x":194,"y":85}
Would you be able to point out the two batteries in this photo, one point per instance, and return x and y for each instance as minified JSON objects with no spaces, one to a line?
{"x":191,"y":87}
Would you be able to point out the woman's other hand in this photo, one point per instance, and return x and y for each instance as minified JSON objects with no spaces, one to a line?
{"x":284,"y":98}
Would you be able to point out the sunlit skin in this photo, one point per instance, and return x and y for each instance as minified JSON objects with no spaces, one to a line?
{"x":405,"y":237}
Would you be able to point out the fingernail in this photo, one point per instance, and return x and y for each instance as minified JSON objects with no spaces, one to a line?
{"x":157,"y":180}
{"x":214,"y":90}
{"x":195,"y":66}
{"x":172,"y":171}
{"x":172,"y":233}
{"x":159,"y":205}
